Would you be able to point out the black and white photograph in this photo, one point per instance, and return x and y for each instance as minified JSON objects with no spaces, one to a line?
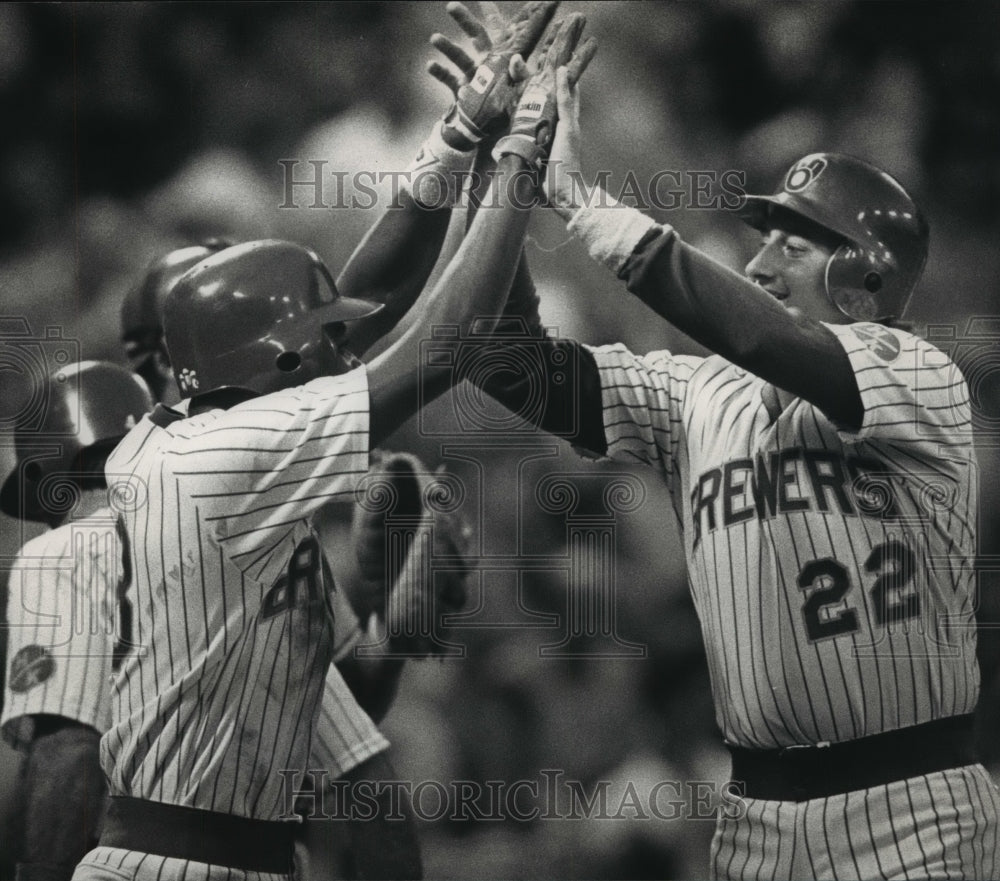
{"x":545,"y":440}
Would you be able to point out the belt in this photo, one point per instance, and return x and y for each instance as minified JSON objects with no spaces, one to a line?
{"x":800,"y":773}
{"x":199,"y":836}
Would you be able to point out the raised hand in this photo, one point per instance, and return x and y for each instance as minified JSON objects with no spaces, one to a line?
{"x":488,"y":89}
{"x":534,"y":123}
{"x":564,"y":160}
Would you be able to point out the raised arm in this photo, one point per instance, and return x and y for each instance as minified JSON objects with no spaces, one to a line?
{"x":476,"y":282}
{"x":717,"y":307}
{"x":567,"y":376}
{"x":392,"y":263}
{"x":480,"y":114}
{"x":736,"y":319}
{"x":394,"y":260}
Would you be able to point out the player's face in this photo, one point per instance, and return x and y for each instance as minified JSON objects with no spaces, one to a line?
{"x":790,"y":265}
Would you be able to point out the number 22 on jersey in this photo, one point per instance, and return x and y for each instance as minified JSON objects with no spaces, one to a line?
{"x":827,"y":612}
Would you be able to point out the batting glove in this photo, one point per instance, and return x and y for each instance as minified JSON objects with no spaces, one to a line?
{"x":485,"y":94}
{"x":534,"y":123}
{"x":489,"y":89}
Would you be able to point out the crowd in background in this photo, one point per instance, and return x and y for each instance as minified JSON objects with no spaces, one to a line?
{"x":130,"y":129}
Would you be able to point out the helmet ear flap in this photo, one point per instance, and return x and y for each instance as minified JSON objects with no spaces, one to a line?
{"x":857,"y":283}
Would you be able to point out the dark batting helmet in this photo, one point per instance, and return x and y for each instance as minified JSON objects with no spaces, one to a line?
{"x":259,"y":317}
{"x":142,"y":308}
{"x":89,"y":407}
{"x":871,"y":275}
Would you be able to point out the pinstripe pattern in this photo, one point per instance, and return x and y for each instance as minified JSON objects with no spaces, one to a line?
{"x":62,"y":599}
{"x":345,"y":735}
{"x":231,"y":608}
{"x":762,"y":498}
{"x":940,"y":825}
{"x":832,"y":574}
{"x":113,"y":864}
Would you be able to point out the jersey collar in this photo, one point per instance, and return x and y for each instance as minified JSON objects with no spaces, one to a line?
{"x":162,"y":416}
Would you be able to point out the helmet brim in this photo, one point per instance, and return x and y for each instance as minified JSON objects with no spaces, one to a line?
{"x":756,"y":212}
{"x":344,"y":309}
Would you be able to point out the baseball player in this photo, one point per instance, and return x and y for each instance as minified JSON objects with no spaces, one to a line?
{"x":67,"y":618}
{"x":229,"y":587}
{"x":823,"y":476}
{"x":142,"y":338}
{"x":347,"y":743}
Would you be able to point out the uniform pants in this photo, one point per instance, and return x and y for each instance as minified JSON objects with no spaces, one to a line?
{"x":942,"y":825}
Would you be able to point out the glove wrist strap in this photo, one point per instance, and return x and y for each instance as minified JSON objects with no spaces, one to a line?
{"x":523,"y":146}
{"x":457,"y":127}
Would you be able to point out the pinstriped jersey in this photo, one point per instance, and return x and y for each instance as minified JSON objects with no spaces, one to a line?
{"x":831,"y":570}
{"x":232,"y":632}
{"x":345,"y":735}
{"x":61,"y":619}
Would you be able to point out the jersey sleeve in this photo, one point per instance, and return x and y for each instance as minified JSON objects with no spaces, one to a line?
{"x":910,"y":390}
{"x":347,"y":630}
{"x":345,"y":736}
{"x":60,"y":613}
{"x":257,"y":469}
{"x":643,"y":402}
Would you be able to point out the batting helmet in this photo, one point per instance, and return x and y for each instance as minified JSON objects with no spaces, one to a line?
{"x":89,"y":407}
{"x":142,"y":309}
{"x":260,"y":316}
{"x":871,"y":275}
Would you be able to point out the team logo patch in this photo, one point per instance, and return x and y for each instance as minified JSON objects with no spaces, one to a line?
{"x":188,"y":379}
{"x":30,"y":667}
{"x":881,"y":341}
{"x":803,"y":173}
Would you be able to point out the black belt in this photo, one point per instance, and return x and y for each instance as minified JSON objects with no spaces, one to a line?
{"x":199,"y":836}
{"x":799,"y":773}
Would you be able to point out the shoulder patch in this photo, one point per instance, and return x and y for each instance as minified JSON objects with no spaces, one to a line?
{"x":880,"y":341}
{"x":30,"y":667}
